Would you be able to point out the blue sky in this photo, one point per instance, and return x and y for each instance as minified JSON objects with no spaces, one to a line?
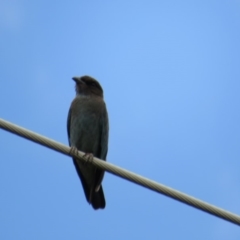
{"x":170,"y":71}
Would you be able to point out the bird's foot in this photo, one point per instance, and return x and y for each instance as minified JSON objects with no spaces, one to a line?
{"x":73,"y":150}
{"x":89,"y":157}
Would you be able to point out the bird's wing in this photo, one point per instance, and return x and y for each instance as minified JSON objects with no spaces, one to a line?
{"x":104,"y":135}
{"x":75,"y":161}
{"x":103,"y":146}
{"x":68,"y":126}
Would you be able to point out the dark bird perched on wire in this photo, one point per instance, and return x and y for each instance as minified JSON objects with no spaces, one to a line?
{"x":87,"y":127}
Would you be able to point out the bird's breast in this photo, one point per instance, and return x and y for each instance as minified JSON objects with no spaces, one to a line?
{"x":86,"y":123}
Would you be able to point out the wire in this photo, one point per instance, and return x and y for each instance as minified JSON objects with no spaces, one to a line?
{"x":157,"y":187}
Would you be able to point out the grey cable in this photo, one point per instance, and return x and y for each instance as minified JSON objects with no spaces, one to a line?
{"x":157,"y":187}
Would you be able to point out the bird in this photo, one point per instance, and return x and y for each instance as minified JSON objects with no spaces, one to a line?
{"x":88,"y":130}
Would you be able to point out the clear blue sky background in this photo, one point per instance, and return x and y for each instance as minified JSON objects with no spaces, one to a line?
{"x":171,"y":75}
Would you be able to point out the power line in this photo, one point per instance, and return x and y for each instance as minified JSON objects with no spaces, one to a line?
{"x":157,"y":187}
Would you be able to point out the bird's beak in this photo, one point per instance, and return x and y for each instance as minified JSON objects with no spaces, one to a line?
{"x":77,"y":79}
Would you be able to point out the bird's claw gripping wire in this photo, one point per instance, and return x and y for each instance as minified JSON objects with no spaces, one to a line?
{"x":73,"y":150}
{"x":89,"y":158}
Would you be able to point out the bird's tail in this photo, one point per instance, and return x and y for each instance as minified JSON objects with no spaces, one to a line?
{"x":97,"y":199}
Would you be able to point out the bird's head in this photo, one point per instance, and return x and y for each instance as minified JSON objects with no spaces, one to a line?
{"x":88,"y":86}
